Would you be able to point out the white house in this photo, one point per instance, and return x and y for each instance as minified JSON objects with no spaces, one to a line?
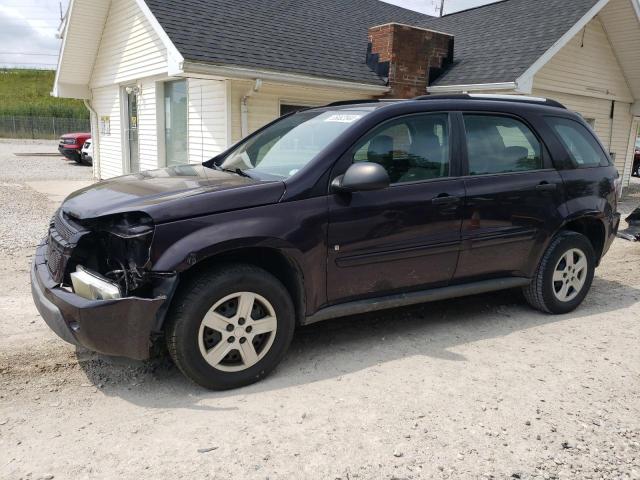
{"x":171,"y":82}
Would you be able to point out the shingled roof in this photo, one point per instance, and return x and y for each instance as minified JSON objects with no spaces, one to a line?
{"x":328,"y":38}
{"x":321,"y":38}
{"x":497,"y":42}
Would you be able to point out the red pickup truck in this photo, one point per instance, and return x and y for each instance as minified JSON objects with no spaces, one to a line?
{"x":71,"y":145}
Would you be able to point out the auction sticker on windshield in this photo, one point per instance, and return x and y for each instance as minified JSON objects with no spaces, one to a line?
{"x":343,"y":118}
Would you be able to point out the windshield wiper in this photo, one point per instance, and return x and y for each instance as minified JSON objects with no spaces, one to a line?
{"x":237,"y":171}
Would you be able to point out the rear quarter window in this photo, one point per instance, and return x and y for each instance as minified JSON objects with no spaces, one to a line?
{"x":582,"y":147}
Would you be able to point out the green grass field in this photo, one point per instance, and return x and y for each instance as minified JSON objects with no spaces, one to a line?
{"x":27,"y":93}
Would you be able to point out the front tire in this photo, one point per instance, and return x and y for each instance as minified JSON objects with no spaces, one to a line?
{"x":230,"y":327}
{"x":564,"y":275}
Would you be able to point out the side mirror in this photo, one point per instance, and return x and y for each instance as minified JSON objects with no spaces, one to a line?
{"x":361,"y":177}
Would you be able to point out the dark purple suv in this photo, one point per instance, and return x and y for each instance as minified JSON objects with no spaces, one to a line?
{"x":327,"y":213}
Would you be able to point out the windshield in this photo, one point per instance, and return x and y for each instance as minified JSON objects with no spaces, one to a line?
{"x":285,"y":147}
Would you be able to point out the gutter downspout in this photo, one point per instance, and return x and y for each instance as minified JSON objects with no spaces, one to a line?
{"x":95,"y":139}
{"x":611,"y":123}
{"x":244,"y":107}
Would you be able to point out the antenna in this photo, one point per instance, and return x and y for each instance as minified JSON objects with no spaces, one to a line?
{"x":61,"y":16}
{"x":441,"y":7}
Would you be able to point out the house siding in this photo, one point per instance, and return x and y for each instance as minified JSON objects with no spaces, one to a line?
{"x":264,"y":106}
{"x":106,"y":102}
{"x":586,"y":77}
{"x":624,"y":36}
{"x":130,"y":52}
{"x":587,"y":65}
{"x":130,"y":49}
{"x":207,"y":119}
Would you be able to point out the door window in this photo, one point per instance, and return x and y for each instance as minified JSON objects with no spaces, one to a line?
{"x":579,"y":142}
{"x":411,"y":149}
{"x":175,"y":122}
{"x":497,"y":144}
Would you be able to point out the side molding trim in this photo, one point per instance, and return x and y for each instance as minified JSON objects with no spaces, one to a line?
{"x":403,"y":299}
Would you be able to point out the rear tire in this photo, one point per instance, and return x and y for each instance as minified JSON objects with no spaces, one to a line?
{"x":564,"y":276}
{"x":230,"y":327}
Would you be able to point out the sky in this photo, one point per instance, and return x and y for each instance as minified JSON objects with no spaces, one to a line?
{"x":28,"y":27}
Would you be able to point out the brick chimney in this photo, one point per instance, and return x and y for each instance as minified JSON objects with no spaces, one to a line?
{"x":411,"y":58}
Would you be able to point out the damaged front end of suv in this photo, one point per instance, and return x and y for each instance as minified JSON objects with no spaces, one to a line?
{"x":93,"y":283}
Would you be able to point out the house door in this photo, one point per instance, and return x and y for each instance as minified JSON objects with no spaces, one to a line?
{"x":131,"y":129}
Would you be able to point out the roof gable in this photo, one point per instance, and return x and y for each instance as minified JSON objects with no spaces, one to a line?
{"x":499,"y":42}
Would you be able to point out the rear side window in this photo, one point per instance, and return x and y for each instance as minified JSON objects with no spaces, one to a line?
{"x":579,"y":142}
{"x":497,"y":144}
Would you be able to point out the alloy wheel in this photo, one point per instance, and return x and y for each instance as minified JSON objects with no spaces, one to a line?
{"x":570,"y":275}
{"x":237,"y":332}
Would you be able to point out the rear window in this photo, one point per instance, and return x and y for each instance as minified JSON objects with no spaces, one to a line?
{"x":579,"y":142}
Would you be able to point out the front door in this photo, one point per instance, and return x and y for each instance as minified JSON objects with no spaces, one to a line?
{"x":406,"y":236}
{"x":513,"y":198}
{"x":131,"y":130}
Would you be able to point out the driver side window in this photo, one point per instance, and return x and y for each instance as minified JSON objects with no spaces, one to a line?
{"x":411,"y":149}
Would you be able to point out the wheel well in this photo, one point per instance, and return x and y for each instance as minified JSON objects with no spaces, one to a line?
{"x":269,"y":259}
{"x":591,"y":228}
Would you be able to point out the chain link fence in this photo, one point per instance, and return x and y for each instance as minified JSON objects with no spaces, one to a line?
{"x":40,"y":127}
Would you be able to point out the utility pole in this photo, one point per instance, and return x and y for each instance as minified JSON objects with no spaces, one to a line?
{"x":441,"y":7}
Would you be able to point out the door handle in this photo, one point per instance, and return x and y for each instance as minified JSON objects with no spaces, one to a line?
{"x":546,"y":187}
{"x":445,"y":200}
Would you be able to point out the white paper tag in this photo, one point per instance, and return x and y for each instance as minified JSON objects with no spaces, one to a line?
{"x":343,"y":118}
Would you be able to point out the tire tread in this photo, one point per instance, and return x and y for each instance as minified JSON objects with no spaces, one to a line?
{"x":190,"y":293}
{"x":533,"y":293}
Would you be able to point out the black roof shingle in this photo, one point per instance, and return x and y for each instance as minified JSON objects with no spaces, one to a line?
{"x":328,"y":38}
{"x":500,"y":41}
{"x":321,"y":38}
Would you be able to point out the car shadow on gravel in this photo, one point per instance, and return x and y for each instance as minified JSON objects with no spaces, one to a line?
{"x":339,"y":347}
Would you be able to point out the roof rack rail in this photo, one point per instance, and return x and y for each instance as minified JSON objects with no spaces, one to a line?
{"x":363,"y":100}
{"x":502,"y":98}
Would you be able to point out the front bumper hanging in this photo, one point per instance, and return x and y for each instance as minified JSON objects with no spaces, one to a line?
{"x":633,"y":232}
{"x":120,"y":327}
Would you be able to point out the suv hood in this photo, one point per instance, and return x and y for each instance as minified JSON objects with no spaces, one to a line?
{"x":172,"y":193}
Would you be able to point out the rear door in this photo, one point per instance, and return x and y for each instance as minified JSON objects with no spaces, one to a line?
{"x":514,"y":197}
{"x":406,"y":236}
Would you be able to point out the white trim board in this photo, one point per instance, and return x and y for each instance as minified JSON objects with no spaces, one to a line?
{"x":56,"y":90}
{"x":240,"y":73}
{"x":175,"y":59}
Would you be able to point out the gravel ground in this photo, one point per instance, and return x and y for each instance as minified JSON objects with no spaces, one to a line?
{"x":28,"y":208}
{"x":482,"y":387}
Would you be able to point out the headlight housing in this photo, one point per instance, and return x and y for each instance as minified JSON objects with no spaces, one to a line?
{"x":116,"y":251}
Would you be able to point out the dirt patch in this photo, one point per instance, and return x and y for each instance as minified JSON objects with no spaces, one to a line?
{"x":482,"y":387}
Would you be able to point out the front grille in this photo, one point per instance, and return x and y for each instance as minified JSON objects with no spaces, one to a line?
{"x":63,"y":237}
{"x":65,"y":230}
{"x":55,"y":262}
